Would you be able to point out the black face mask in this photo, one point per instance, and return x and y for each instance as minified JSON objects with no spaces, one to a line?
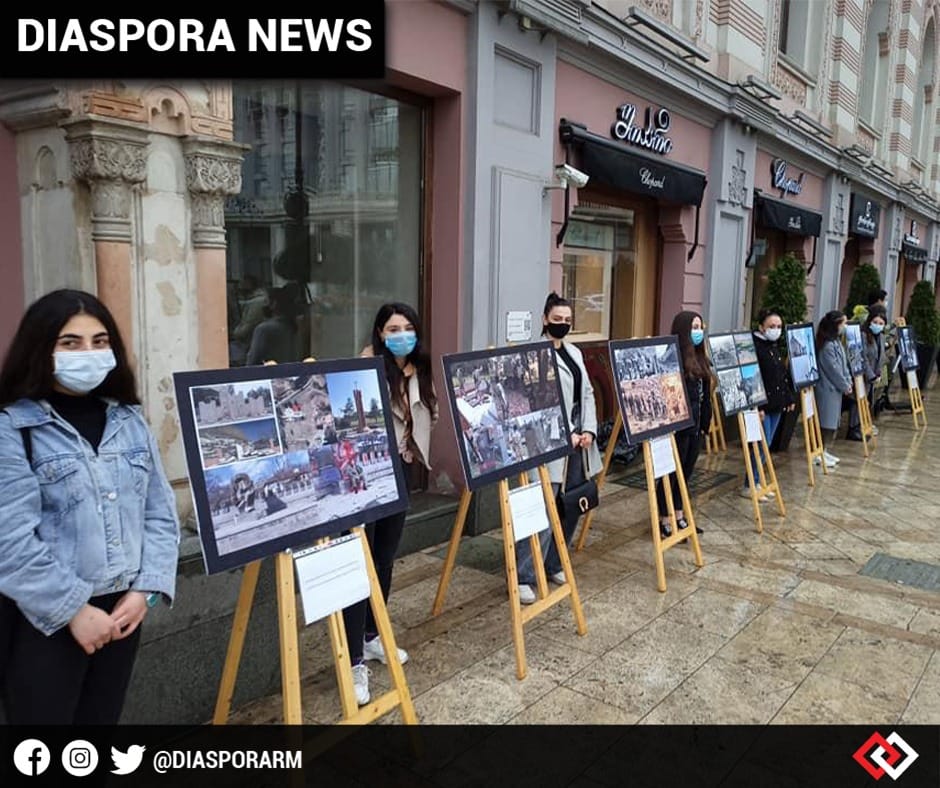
{"x":558,"y":330}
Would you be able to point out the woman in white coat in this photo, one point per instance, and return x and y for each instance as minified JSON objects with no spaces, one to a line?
{"x":585,"y":461}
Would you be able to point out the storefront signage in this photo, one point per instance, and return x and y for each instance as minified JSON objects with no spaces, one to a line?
{"x":650,"y":181}
{"x":652,"y":136}
{"x":911,"y":238}
{"x":863,"y":216}
{"x":778,"y":170}
{"x":795,"y":223}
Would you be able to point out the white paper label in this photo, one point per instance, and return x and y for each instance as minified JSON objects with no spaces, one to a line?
{"x":331,"y":577}
{"x":518,"y":326}
{"x":912,"y":379}
{"x":663,"y":460}
{"x":809,"y":402}
{"x":752,"y":426}
{"x":860,"y":390}
{"x":527,"y":505}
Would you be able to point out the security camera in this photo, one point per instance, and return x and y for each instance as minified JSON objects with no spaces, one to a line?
{"x":568,"y":175}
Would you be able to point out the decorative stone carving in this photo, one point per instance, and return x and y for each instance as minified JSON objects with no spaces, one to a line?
{"x":838,"y":215}
{"x":790,"y":85}
{"x":737,"y":186}
{"x":660,"y":8}
{"x":111,"y":157}
{"x":213,"y":172}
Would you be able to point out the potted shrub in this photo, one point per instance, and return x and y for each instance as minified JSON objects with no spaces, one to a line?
{"x":923,"y":316}
{"x":786,"y":294}
{"x":865,"y":279}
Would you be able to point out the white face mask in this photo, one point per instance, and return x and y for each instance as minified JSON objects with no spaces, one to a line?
{"x":82,"y":371}
{"x":773,"y":334}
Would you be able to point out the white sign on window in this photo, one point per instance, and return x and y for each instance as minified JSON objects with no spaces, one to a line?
{"x":663,"y":460}
{"x":752,"y":426}
{"x":527,"y":505}
{"x":331,"y":577}
{"x":518,"y":326}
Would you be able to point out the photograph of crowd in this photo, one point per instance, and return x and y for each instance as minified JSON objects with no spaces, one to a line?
{"x":650,"y":387}
{"x":722,"y":350}
{"x":907,"y":348}
{"x":801,"y":350}
{"x":318,"y":464}
{"x":506,"y":403}
{"x":853,"y":348}
{"x":740,"y":385}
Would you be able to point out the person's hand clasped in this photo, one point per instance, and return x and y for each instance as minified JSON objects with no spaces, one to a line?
{"x":129,"y":612}
{"x":93,"y":628}
{"x":586,"y":439}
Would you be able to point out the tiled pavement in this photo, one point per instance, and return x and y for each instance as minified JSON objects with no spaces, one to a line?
{"x":778,"y":627}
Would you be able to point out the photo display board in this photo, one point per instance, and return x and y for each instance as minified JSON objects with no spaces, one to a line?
{"x":650,"y":387}
{"x":740,"y":385}
{"x":801,"y":355}
{"x":907,"y":348}
{"x":282,"y":455}
{"x":854,"y":350}
{"x":507,"y":409}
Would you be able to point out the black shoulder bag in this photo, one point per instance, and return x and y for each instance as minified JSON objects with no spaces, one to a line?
{"x":8,"y":610}
{"x":577,"y":494}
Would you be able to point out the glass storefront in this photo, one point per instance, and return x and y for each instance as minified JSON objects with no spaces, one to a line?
{"x":328,"y":224}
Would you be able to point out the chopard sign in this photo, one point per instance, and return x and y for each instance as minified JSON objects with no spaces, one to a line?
{"x":652,"y":136}
{"x":778,"y":169}
{"x":651,"y":182}
{"x":866,"y":221}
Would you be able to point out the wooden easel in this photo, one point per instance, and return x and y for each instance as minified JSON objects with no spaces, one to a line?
{"x":545,"y":599}
{"x":812,"y":432}
{"x":766,"y":481}
{"x":715,"y":437}
{"x":290,"y":651}
{"x":660,"y":545}
{"x":290,"y":654}
{"x":917,"y":401}
{"x":865,"y":424}
{"x":601,"y":478}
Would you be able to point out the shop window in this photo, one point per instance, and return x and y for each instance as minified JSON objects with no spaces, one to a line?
{"x":327,"y":227}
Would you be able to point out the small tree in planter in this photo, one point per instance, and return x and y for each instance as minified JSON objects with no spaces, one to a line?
{"x":865,"y":279}
{"x":923,"y":317}
{"x":786,"y":295}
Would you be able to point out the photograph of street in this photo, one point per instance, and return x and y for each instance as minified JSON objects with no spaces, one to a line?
{"x":507,"y":408}
{"x":722,"y":350}
{"x":801,"y":349}
{"x":744,"y":345}
{"x":731,"y":390}
{"x":652,"y":394}
{"x":853,"y":348}
{"x":753,"y":385}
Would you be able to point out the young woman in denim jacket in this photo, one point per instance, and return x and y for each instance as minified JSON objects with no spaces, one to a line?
{"x":90,"y":536}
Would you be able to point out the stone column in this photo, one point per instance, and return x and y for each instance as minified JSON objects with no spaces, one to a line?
{"x":110,"y":156}
{"x":213,"y":172}
{"x":831,"y":244}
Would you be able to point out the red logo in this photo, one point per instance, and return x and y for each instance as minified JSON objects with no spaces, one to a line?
{"x":880,"y":756}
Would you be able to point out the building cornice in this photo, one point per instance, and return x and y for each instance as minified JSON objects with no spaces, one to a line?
{"x":27,"y":106}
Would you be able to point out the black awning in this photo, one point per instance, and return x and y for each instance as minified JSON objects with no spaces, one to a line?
{"x":612,"y":163}
{"x":914,"y":254}
{"x":781,"y":215}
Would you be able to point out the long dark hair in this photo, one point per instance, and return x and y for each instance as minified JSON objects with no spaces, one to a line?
{"x":694,"y":360}
{"x":828,"y":329}
{"x":420,"y":358}
{"x":551,"y":302}
{"x":28,"y":366}
{"x":875,"y":310}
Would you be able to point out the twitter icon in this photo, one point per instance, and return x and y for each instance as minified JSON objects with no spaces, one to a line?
{"x":127,"y":762}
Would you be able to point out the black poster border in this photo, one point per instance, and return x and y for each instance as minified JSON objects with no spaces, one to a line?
{"x":738,"y":366}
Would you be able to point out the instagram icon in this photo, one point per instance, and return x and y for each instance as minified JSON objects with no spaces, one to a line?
{"x":79,"y":758}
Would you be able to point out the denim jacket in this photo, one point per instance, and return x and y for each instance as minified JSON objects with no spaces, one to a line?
{"x":78,"y":524}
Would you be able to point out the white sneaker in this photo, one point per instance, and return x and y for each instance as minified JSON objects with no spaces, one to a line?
{"x":373,"y":649}
{"x":745,"y":492}
{"x":874,"y":429}
{"x":830,"y":458}
{"x":526,"y":595}
{"x":361,"y":683}
{"x":558,"y":578}
{"x":769,"y":495}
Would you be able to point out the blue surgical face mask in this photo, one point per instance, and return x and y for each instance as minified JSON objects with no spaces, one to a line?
{"x":876,"y":328}
{"x":82,"y":371}
{"x":401,"y":343}
{"x":698,"y":336}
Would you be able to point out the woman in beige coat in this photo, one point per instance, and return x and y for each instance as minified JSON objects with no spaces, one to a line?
{"x":581,"y":409}
{"x":397,"y":338}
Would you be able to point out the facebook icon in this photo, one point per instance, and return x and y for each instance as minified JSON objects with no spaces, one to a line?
{"x":31,"y":757}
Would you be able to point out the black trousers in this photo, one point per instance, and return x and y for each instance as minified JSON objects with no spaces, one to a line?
{"x":384,"y":537}
{"x":50,"y":680}
{"x":688,"y":444}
